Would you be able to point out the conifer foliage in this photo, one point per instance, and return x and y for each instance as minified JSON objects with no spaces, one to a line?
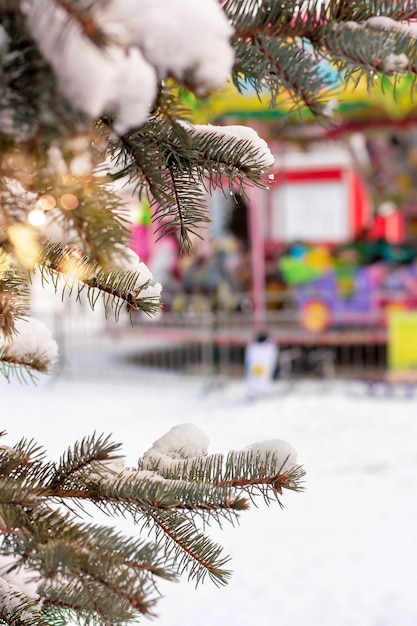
{"x":57,"y":568}
{"x":92,"y":97}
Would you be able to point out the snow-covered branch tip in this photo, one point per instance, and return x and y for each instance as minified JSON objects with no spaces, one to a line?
{"x":267,"y":466}
{"x":30,"y":349}
{"x":79,"y":569}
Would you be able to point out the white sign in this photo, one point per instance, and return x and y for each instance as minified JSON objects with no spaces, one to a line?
{"x":310,"y":211}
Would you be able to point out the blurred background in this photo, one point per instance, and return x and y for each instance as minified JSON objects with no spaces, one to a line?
{"x":323,"y":259}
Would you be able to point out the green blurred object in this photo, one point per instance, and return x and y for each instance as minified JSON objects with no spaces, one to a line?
{"x":297,"y":271}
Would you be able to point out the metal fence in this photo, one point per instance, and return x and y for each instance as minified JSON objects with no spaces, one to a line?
{"x":209,"y":344}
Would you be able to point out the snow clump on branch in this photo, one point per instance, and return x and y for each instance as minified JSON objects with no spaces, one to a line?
{"x":183,"y":38}
{"x":33,"y":341}
{"x":147,"y":41}
{"x":186,"y":442}
{"x":94,"y":80}
{"x":281,"y":450}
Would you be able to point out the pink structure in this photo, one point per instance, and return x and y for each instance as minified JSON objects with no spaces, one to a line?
{"x":319,"y":199}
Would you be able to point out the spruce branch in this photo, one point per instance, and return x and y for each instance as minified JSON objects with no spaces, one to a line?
{"x":14,"y":296}
{"x":140,"y":494}
{"x":73,"y":604}
{"x":23,"y":367}
{"x":79,"y":458}
{"x":19,"y":371}
{"x":92,"y":561}
{"x":279,"y":46}
{"x":361,"y":10}
{"x":96,"y":572}
{"x":266,"y":475}
{"x":175,"y":163}
{"x":25,"y":460}
{"x":97,"y":224}
{"x":117,"y":288}
{"x":251,"y":18}
{"x":241,"y":473}
{"x":366,"y":46}
{"x":191,"y":550}
{"x":289,"y":66}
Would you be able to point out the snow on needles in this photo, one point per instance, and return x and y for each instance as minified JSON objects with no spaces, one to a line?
{"x":126,"y":260}
{"x":33,"y":340}
{"x":15,"y":580}
{"x":243,"y":133}
{"x":186,"y":442}
{"x":148,"y":40}
{"x":391,"y":63}
{"x":21,"y":579}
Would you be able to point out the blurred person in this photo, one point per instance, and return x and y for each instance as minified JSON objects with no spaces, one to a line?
{"x":260,"y":365}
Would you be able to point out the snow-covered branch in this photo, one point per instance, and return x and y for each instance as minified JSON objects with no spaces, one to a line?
{"x":145,"y":41}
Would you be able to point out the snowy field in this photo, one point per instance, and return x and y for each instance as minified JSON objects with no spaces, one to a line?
{"x":343,"y":553}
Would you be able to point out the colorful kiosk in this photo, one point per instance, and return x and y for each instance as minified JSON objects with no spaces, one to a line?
{"x":332,"y":187}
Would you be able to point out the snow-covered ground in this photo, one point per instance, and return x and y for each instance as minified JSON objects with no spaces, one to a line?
{"x":343,"y":553}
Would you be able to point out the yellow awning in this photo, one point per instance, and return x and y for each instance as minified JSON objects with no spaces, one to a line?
{"x":386,"y":101}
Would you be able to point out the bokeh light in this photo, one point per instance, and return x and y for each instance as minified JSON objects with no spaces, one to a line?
{"x":36,"y":217}
{"x":46,"y":202}
{"x":69,"y":201}
{"x":26,"y":247}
